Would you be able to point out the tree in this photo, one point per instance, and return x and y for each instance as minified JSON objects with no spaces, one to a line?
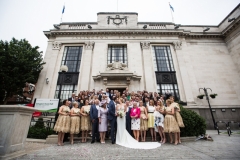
{"x":19,"y":63}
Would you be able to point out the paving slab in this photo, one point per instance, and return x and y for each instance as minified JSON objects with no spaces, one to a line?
{"x":222,"y":147}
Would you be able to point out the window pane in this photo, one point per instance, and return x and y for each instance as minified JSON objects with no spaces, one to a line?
{"x":117,"y":53}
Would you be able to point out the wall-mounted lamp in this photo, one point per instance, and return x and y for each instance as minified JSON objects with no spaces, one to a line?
{"x":145,"y":26}
{"x":47,"y":81}
{"x":213,"y":110}
{"x":177,"y":26}
{"x":64,"y":68}
{"x":223,"y":110}
{"x":89,"y":26}
{"x":231,"y":19}
{"x":206,"y":29}
{"x":233,"y":110}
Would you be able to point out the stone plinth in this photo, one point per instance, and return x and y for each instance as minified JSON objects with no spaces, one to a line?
{"x":14,"y":126}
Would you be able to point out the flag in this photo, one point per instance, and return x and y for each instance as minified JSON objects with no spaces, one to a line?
{"x":171,"y":7}
{"x":63,"y":9}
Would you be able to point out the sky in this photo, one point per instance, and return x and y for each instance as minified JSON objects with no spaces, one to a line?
{"x":29,"y":18}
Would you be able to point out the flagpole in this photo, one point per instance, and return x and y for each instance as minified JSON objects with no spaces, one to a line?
{"x":62,"y":12}
{"x":171,"y":13}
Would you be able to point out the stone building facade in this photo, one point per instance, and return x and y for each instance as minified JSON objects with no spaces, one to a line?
{"x":157,"y":57}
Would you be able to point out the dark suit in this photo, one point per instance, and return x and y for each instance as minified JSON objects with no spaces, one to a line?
{"x":128,"y":121}
{"x":95,"y":123}
{"x":100,"y":97}
{"x":112,"y":118}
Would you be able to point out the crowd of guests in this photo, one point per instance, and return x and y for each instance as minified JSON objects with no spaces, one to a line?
{"x":88,"y":112}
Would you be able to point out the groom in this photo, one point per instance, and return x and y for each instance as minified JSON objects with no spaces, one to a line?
{"x":112,"y":117}
{"x":94,"y":119}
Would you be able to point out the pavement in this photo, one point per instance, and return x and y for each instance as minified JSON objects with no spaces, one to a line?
{"x":222,"y":147}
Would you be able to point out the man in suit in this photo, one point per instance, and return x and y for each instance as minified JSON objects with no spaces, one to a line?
{"x":112,"y":117}
{"x":128,"y":118}
{"x":146,"y":102}
{"x":94,"y":119}
{"x":100,"y":95}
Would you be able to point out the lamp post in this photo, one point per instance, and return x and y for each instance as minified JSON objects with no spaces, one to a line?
{"x":206,"y":94}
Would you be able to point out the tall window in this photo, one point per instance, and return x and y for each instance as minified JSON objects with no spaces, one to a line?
{"x":67,"y":82}
{"x":72,"y":58}
{"x":117,"y":53}
{"x":165,"y":72}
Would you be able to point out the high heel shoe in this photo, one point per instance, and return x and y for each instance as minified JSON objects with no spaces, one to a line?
{"x":71,"y":142}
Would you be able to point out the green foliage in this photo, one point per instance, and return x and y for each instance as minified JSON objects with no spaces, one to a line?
{"x":195,"y":125}
{"x":19,"y":63}
{"x":39,"y":131}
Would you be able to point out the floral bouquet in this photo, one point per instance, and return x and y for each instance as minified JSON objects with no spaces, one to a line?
{"x":121,"y":114}
{"x":87,"y":111}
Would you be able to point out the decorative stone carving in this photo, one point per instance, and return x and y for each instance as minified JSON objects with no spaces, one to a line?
{"x":117,"y":65}
{"x":56,"y":45}
{"x":89,"y":45}
{"x":117,"y":20}
{"x":177,"y":45}
{"x":145,"y":45}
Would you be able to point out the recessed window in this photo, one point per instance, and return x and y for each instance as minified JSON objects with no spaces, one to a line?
{"x":117,"y":53}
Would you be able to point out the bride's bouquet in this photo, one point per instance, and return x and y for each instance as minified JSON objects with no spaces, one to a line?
{"x":121,"y":114}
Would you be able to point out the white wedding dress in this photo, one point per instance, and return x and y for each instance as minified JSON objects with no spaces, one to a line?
{"x":123,"y":138}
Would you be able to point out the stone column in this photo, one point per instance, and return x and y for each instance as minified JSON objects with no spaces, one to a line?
{"x":149,"y":78}
{"x":84,"y":79}
{"x":14,"y":125}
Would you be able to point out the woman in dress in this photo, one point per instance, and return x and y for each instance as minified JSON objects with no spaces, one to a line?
{"x":143,"y":121}
{"x":103,"y":123}
{"x":170,"y":123}
{"x":85,"y":121}
{"x":62,"y":125}
{"x":151,"y":119}
{"x":135,"y":122}
{"x":177,"y":116}
{"x":159,"y":120}
{"x":75,"y":121}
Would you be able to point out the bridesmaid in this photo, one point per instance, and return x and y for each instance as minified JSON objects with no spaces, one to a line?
{"x":177,"y":116}
{"x":151,"y":121}
{"x":159,"y":120}
{"x":143,"y":121}
{"x":103,"y":122}
{"x":62,"y":125}
{"x":135,"y":115}
{"x":170,"y":123}
{"x":75,"y":121}
{"x":85,"y":121}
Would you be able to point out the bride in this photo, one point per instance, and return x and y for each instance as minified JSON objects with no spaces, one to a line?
{"x":123,"y":138}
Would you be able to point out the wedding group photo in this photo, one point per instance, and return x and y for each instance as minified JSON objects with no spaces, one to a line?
{"x":119,"y":79}
{"x":129,"y":115}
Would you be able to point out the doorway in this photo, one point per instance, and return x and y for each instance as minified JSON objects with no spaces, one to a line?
{"x":119,"y":89}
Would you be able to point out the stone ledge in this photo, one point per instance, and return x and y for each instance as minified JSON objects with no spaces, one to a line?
{"x":35,"y":140}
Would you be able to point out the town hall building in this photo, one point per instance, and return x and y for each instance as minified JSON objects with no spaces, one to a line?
{"x":117,"y":52}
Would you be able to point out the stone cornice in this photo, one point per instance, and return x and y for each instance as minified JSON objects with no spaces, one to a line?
{"x":135,"y":32}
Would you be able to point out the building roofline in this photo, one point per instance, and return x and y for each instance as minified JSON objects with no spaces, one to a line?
{"x":229,"y":14}
{"x":117,"y":13}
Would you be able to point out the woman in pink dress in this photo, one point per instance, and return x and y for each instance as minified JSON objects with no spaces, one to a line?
{"x":135,"y":125}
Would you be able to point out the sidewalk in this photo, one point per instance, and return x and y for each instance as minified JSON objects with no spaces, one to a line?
{"x":223,"y":147}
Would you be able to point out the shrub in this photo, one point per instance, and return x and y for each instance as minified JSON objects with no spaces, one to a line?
{"x":195,"y":125}
{"x":39,"y":131}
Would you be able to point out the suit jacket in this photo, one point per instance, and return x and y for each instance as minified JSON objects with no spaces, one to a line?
{"x":100,"y":97}
{"x":93,"y":112}
{"x":128,"y":114}
{"x":111,"y":110}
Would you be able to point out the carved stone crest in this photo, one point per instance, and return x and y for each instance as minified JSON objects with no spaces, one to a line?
{"x":177,"y":45}
{"x":56,"y":45}
{"x":145,"y":45}
{"x":89,"y":45}
{"x":117,"y":20}
{"x":117,"y":65}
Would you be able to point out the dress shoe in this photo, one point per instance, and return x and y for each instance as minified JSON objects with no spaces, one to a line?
{"x":92,"y":142}
{"x":98,"y":140}
{"x":113,"y":142}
